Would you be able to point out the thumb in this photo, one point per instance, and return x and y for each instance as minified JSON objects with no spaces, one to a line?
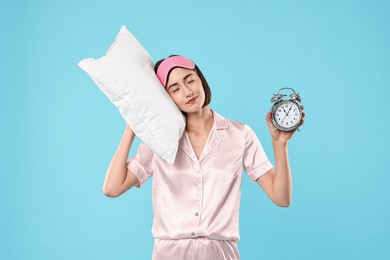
{"x":269,"y":122}
{"x":268,"y":118}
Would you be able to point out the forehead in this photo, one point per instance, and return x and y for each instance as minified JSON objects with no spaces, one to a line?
{"x":178,"y":74}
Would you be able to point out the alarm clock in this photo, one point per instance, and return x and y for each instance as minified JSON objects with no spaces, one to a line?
{"x":286,"y":114}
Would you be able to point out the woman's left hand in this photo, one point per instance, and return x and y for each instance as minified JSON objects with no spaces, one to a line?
{"x":281,"y":136}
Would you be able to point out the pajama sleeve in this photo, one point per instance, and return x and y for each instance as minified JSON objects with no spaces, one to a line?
{"x":255,"y":161}
{"x":141,"y":164}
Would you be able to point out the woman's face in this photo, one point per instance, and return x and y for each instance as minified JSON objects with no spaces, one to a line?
{"x":182,"y":86}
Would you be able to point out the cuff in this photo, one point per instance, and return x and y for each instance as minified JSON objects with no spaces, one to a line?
{"x":260,"y":171}
{"x":138,"y":171}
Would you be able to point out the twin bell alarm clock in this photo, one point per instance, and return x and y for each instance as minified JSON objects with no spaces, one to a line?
{"x":286,"y":114}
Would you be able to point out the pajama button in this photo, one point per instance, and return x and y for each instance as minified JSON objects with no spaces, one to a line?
{"x":193,"y":234}
{"x":196,"y":214}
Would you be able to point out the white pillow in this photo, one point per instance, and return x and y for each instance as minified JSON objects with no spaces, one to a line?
{"x":126,"y":76}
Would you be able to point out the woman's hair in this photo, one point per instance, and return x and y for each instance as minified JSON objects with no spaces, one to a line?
{"x":205,"y":85}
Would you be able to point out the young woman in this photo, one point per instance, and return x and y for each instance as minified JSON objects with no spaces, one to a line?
{"x":196,"y":200}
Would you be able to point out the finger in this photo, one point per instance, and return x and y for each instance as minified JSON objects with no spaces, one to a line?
{"x":293,"y":131}
{"x":268,"y":117}
{"x":303,"y":114}
{"x":269,"y":122}
{"x":302,"y":107}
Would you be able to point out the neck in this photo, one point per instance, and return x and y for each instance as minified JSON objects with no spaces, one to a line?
{"x":200,"y":121}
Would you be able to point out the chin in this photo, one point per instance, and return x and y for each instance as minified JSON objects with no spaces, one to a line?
{"x":192,"y":110}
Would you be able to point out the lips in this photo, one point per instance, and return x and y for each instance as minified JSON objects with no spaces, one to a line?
{"x":189,"y":101}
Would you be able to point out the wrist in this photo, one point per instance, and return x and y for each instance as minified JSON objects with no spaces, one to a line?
{"x":278,"y":143}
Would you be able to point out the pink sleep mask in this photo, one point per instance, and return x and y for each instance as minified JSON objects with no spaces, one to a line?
{"x":172,"y":62}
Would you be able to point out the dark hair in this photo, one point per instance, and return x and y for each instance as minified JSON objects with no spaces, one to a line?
{"x":205,"y":85}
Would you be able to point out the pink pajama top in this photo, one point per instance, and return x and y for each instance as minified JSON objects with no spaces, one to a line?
{"x":201,"y":198}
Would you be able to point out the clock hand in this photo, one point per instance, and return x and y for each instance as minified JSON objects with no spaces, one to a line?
{"x":284,"y":118}
{"x":284,"y":113}
{"x":287,"y":114}
{"x":288,"y":111}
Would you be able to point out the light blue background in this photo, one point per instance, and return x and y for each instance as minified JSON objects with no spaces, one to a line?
{"x":59,"y":132}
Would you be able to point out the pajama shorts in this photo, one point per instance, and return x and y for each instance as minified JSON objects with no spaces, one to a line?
{"x":200,"y":248}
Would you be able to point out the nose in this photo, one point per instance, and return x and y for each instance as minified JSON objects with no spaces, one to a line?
{"x":188,"y":91}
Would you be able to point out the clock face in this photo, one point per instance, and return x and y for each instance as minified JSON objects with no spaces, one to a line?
{"x":287,"y":114}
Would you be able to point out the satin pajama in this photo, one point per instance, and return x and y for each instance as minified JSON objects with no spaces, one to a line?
{"x":200,"y":248}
